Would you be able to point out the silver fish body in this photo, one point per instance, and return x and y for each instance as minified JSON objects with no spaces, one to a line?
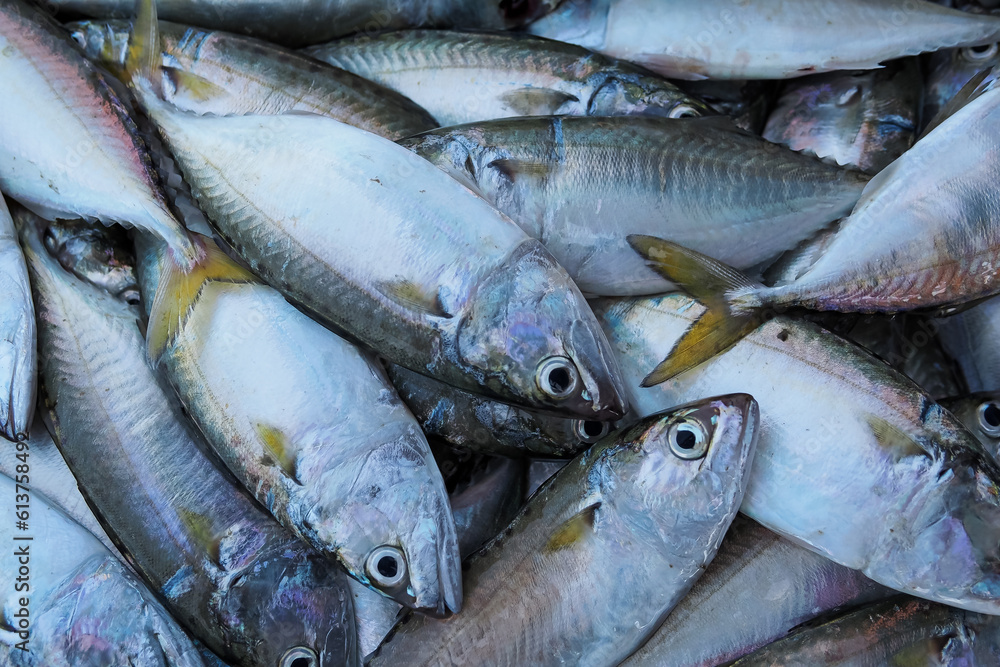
{"x":68,"y":148}
{"x":767,"y":39}
{"x":302,"y":22}
{"x":75,"y":604}
{"x":51,"y":477}
{"x":381,"y":244}
{"x":949,"y":70}
{"x":854,"y":461}
{"x":863,"y":120}
{"x":211,"y":72}
{"x":758,"y":587}
{"x":599,"y":555}
{"x":582,"y":185}
{"x":909,"y":631}
{"x":18,"y":351}
{"x":980,"y":412}
{"x":321,"y":439}
{"x":471,"y":421}
{"x":466,"y":77}
{"x":970,"y":338}
{"x":237,"y":580}
{"x":924,"y":234}
{"x":487,"y":500}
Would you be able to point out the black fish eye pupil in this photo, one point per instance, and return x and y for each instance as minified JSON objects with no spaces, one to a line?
{"x":686,"y":439}
{"x":301,"y":662}
{"x":982,"y":48}
{"x":991,"y":415}
{"x":387,"y":566}
{"x":593,"y":429}
{"x":559,"y":380}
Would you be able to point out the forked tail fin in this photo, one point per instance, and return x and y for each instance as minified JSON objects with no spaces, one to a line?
{"x":713,"y":284}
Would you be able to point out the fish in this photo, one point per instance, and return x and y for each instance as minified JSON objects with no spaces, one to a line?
{"x":375,"y":616}
{"x":215,"y":72}
{"x":541,"y":471}
{"x":855,"y":462}
{"x":51,"y":478}
{"x":903,"y":631}
{"x":463,"y":77}
{"x":969,"y":337}
{"x":336,"y":457}
{"x":68,"y":146}
{"x":302,"y":22}
{"x":949,"y":70}
{"x":486,"y":500}
{"x":581,"y":186}
{"x":600,"y":554}
{"x":766,"y":39}
{"x":980,"y":412}
{"x":863,"y":120}
{"x":68,"y":602}
{"x":99,"y":255}
{"x":758,"y":587}
{"x":252,"y":592}
{"x":18,"y":355}
{"x":914,"y":241}
{"x":380,"y":244}
{"x":747,"y":103}
{"x":470,"y":421}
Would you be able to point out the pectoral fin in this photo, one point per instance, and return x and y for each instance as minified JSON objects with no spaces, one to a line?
{"x":536,"y":101}
{"x":573,"y":530}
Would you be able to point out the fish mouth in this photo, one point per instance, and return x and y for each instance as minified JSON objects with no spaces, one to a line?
{"x":603,"y":397}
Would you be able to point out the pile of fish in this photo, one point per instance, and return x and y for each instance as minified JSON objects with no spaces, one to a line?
{"x":530,"y":332}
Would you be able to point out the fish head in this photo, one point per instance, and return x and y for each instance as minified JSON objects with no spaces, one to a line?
{"x":980,"y":413}
{"x":516,"y":13}
{"x":99,"y":255}
{"x":643,"y":95}
{"x":301,"y":602}
{"x":679,"y":475}
{"x":530,"y":337}
{"x":945,"y":543}
{"x":103,"y":42}
{"x":949,"y":70}
{"x":395,"y":530}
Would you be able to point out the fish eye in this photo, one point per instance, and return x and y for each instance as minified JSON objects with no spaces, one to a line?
{"x":299,"y":656}
{"x":556,"y":377}
{"x":590,"y":431}
{"x":683,"y":111}
{"x":980,"y":53}
{"x":687,"y":439}
{"x":386,"y":567}
{"x":989,"y":418}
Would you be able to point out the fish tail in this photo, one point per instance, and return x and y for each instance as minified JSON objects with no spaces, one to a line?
{"x":180,"y":288}
{"x":143,"y":59}
{"x":734,"y":303}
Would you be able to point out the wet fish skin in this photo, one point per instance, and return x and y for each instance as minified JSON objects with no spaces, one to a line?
{"x":213,"y":72}
{"x":585,"y":551}
{"x":85,"y":608}
{"x":582,"y":185}
{"x":228,"y":572}
{"x":870,"y":431}
{"x":950,"y":69}
{"x":758,"y":587}
{"x":768,"y":39}
{"x":980,"y":412}
{"x":91,"y":163}
{"x":910,"y":631}
{"x":18,"y":354}
{"x":375,"y":616}
{"x":919,"y":237}
{"x":487,"y":501}
{"x":465,"y":77}
{"x":336,"y":457}
{"x":302,"y":22}
{"x":969,"y":337}
{"x":863,"y":120}
{"x":447,"y":306}
{"x":471,"y":421}
{"x":98,"y":255}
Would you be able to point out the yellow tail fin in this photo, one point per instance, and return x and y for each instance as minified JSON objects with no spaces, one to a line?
{"x":709,"y":281}
{"x":144,"y":56}
{"x":178,"y":290}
